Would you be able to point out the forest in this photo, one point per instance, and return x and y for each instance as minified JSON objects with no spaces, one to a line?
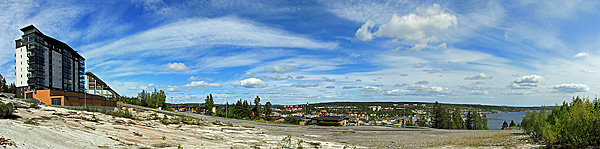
{"x":443,"y":119}
{"x":572,"y":125}
{"x":7,"y":88}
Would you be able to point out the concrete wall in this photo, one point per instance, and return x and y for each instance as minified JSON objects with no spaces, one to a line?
{"x":70,"y":98}
{"x":21,"y":66}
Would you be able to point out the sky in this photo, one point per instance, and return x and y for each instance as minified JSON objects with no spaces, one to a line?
{"x":514,"y":53}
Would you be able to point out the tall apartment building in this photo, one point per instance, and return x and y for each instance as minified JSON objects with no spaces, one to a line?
{"x":44,"y":63}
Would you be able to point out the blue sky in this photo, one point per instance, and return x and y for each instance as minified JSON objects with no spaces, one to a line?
{"x":518,"y":53}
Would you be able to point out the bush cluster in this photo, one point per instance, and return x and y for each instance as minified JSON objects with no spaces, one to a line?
{"x":572,"y":125}
{"x":5,"y":111}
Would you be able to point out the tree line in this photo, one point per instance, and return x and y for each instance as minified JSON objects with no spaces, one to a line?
{"x":7,"y":88}
{"x":242,"y":109}
{"x":154,"y":99}
{"x":443,"y":119}
{"x":575,"y":124}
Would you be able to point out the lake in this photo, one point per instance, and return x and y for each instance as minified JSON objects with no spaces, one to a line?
{"x":495,"y":120}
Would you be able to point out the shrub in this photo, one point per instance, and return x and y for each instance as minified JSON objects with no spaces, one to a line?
{"x":5,"y":110}
{"x":33,"y":105}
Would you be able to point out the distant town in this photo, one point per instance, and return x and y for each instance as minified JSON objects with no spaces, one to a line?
{"x":398,"y":114}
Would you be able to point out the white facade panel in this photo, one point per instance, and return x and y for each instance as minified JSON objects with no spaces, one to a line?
{"x":21,"y":66}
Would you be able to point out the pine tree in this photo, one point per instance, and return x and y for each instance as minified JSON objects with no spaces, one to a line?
{"x":268,"y":110}
{"x":257,"y":108}
{"x":3,"y":87}
{"x":504,"y":125}
{"x":477,"y":122}
{"x":485,"y":122}
{"x":246,"y":109}
{"x":469,"y":121}
{"x":457,"y":121}
{"x":512,"y":124}
{"x":208,"y":104}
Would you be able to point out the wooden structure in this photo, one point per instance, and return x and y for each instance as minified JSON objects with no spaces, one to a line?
{"x":99,"y":87}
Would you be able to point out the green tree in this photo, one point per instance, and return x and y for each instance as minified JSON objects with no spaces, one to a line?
{"x":469,"y":121}
{"x":504,"y":125}
{"x":268,"y":110}
{"x":441,"y":117}
{"x":485,"y":122}
{"x":457,"y":121}
{"x":208,"y":104}
{"x":257,"y":108}
{"x":512,"y":124}
{"x":3,"y":87}
{"x":477,"y":121}
{"x":246,"y":109}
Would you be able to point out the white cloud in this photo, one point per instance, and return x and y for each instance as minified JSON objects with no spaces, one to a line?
{"x":326,"y":79}
{"x":570,"y":88}
{"x":588,"y":71}
{"x":172,"y":89}
{"x":370,"y":90}
{"x":396,"y":92}
{"x":230,"y":92}
{"x":248,"y":75}
{"x":580,"y":55}
{"x":330,"y":87}
{"x":177,"y":67}
{"x":419,"y":65}
{"x":249,"y":83}
{"x":348,"y":87}
{"x":400,"y":85}
{"x":526,"y":82}
{"x":192,"y":78}
{"x":305,"y":84}
{"x":430,"y":71}
{"x":403,"y":74}
{"x":364,"y":32}
{"x":518,"y":92}
{"x":417,"y":29}
{"x":151,"y":86}
{"x":196,"y":32}
{"x":421,"y":90}
{"x":481,"y":76}
{"x":201,"y":84}
{"x":479,"y":92}
{"x":281,"y":69}
{"x":422,"y":82}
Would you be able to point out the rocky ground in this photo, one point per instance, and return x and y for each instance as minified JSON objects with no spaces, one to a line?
{"x":53,"y":127}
